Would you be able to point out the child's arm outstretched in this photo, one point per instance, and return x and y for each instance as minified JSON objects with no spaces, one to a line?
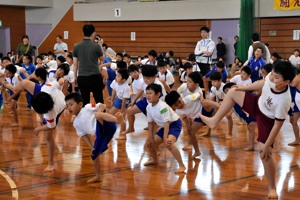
{"x":254,"y":86}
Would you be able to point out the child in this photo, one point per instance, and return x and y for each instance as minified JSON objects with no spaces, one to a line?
{"x":91,"y":119}
{"x":192,"y":60}
{"x":295,"y":58}
{"x":49,"y":103}
{"x":137,"y":82}
{"x":12,"y":79}
{"x":249,"y":120}
{"x":164,"y":75}
{"x":120,"y":98}
{"x":59,"y":74}
{"x":256,"y":62}
{"x":269,"y":110}
{"x":151,"y":60}
{"x":187,"y":69}
{"x":243,"y":78}
{"x":217,"y":94}
{"x":159,"y":113}
{"x":127,"y":60}
{"x":149,"y":73}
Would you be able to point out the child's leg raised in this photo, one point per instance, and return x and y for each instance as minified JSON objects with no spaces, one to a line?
{"x":294,"y":122}
{"x":50,"y":147}
{"x":232,"y":97}
{"x":175,"y":152}
{"x":269,"y":167}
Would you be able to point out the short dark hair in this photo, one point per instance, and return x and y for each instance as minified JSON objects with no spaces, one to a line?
{"x":88,"y":30}
{"x":297,"y":50}
{"x":228,"y":85}
{"x":127,"y":56}
{"x":42,"y":73}
{"x":40,"y":57}
{"x":75,"y":96}
{"x":120,"y":54}
{"x":152,"y":53}
{"x":172,"y":97}
{"x":149,"y":71}
{"x":6,"y":58}
{"x":28,"y":56}
{"x":247,"y":70}
{"x":216,"y":76}
{"x":220,"y":64}
{"x":11,"y":68}
{"x":255,"y":37}
{"x":286,"y":69}
{"x":132,"y":68}
{"x":25,"y":36}
{"x":124,"y":73}
{"x":121,"y":64}
{"x":59,"y":36}
{"x":196,"y":77}
{"x":42,"y":102}
{"x":276,"y":55}
{"x":161,"y":63}
{"x":171,"y":53}
{"x":260,"y":49}
{"x":61,"y":59}
{"x":204,"y":28}
{"x":267,"y":67}
{"x":155,"y":87}
{"x":192,"y":57}
{"x":104,"y":45}
{"x":65,"y":67}
{"x":187,"y":65}
{"x":220,"y":38}
{"x":70,"y":55}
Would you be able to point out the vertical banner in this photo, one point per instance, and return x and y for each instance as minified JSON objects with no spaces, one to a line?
{"x":286,"y":4}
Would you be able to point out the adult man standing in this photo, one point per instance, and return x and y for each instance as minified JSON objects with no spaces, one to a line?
{"x":85,"y":57}
{"x":221,"y":49}
{"x":60,"y":48}
{"x":204,"y":50}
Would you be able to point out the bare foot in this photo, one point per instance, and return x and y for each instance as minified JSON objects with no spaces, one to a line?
{"x":130,"y":131}
{"x":49,"y":168}
{"x":228,"y":137}
{"x":187,"y":147}
{"x":196,"y":154}
{"x":180,"y":170}
{"x":151,"y":161}
{"x":14,"y":124}
{"x":94,"y":179}
{"x":210,"y":122}
{"x":205,"y":134}
{"x":296,"y":142}
{"x":272,"y":194}
{"x":249,"y":148}
{"x":122,"y":136}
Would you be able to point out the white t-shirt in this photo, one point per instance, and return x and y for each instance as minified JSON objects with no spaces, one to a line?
{"x":164,"y":93}
{"x":70,"y":77}
{"x":147,"y":62}
{"x":161,"y":113}
{"x":295,"y":60}
{"x":122,"y":91}
{"x":192,"y":107}
{"x":52,"y":64}
{"x":168,"y":77}
{"x":53,"y":89}
{"x":297,"y":99}
{"x":137,"y":84}
{"x":218,"y":93}
{"x":183,"y":77}
{"x":85,"y":122}
{"x":60,"y":46}
{"x":13,"y":80}
{"x":196,"y":68}
{"x":204,"y":45}
{"x":238,"y":80}
{"x":274,"y":105}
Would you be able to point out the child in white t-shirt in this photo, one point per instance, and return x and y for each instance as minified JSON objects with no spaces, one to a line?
{"x":295,"y":59}
{"x":269,"y":109}
{"x":120,"y":97}
{"x":159,"y":113}
{"x":243,"y":78}
{"x":164,"y":75}
{"x":91,"y":119}
{"x":137,"y":80}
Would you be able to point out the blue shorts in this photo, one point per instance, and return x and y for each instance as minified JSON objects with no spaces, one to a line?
{"x":205,"y":113}
{"x":242,"y":115}
{"x":142,"y":105}
{"x":175,"y":129}
{"x":104,"y":133}
{"x":56,"y":120}
{"x":118,"y":103}
{"x":37,"y":88}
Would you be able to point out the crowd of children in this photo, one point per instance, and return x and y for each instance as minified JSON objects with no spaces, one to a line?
{"x":257,"y":92}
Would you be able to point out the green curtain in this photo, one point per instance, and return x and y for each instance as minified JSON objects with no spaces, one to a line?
{"x":246,"y":28}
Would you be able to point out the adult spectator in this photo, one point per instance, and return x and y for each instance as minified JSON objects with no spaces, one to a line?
{"x":204,"y":50}
{"x":24,"y":48}
{"x":60,"y":48}
{"x":235,"y":45}
{"x":85,"y":58}
{"x":221,"y":49}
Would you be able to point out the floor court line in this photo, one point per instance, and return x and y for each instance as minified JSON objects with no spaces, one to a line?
{"x":13,"y":187}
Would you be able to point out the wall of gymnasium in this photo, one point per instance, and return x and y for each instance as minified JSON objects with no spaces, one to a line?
{"x":14,"y":18}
